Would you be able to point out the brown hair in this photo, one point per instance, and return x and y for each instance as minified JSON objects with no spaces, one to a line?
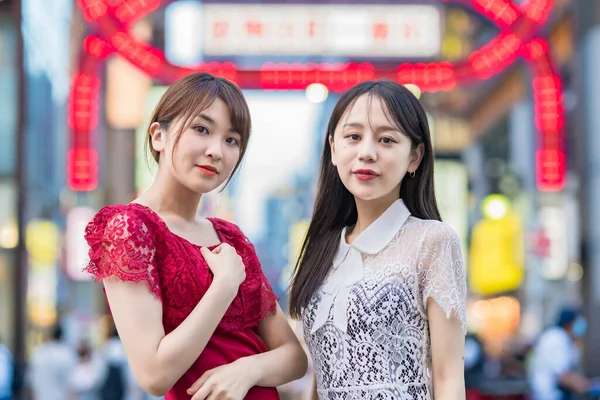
{"x":189,"y":96}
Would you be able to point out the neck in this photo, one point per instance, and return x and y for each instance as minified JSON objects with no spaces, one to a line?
{"x":369,"y":211}
{"x":167,"y":196}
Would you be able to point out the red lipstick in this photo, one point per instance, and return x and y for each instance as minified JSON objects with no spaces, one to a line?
{"x":365,"y":174}
{"x":208,"y":170}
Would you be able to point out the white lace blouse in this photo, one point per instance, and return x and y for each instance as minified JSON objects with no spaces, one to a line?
{"x":367,"y":328}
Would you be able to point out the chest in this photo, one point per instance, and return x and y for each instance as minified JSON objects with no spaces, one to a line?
{"x":185,"y":277}
{"x":389,"y":297}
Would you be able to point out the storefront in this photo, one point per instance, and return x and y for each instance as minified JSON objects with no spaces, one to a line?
{"x":8,"y":122}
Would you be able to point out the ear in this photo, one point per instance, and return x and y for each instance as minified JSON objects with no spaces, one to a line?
{"x":416,"y":156}
{"x":332,"y":146}
{"x":158,"y":137}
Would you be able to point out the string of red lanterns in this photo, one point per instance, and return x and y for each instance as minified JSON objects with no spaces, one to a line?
{"x":516,"y":39}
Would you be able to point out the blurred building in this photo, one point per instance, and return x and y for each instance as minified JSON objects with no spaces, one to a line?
{"x":9,"y":119}
{"x":586,"y":78}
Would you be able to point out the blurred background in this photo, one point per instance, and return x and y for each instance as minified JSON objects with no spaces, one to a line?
{"x":512,"y":92}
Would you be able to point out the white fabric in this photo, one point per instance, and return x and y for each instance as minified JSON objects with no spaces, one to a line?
{"x":367,"y":327}
{"x":348,"y":267}
{"x":87,"y":376}
{"x":51,"y":367}
{"x":554,"y":355}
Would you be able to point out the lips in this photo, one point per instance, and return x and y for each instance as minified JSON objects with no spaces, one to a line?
{"x":208,"y":170}
{"x":365,"y":174}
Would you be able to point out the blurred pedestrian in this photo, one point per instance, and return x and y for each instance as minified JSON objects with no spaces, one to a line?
{"x":474,"y":361}
{"x":6,"y":372}
{"x":553,"y":374}
{"x":194,"y":311}
{"x":51,"y":367}
{"x":88,"y":373}
{"x":380,"y":285}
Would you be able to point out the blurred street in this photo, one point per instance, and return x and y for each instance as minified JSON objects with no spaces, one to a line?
{"x":512,"y":91}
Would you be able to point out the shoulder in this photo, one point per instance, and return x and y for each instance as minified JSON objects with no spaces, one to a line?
{"x":121,"y":221}
{"x":554,"y":338}
{"x":228,"y":230}
{"x":431,"y":232}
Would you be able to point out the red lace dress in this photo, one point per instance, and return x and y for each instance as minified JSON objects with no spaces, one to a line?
{"x":133,"y":243}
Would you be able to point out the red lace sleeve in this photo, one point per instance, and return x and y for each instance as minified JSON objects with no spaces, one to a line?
{"x":269,"y":299}
{"x":123,"y":246}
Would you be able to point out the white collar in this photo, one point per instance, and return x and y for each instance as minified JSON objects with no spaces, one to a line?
{"x":377,"y":235}
{"x":348,"y":267}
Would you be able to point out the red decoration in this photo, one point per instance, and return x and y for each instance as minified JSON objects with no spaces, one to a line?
{"x":517,"y":24}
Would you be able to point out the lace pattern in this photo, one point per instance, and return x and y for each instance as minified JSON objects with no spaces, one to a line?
{"x":122,"y":245}
{"x":385,"y":353}
{"x":132,"y":243}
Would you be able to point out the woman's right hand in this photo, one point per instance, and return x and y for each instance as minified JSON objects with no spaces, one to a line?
{"x":226,"y":265}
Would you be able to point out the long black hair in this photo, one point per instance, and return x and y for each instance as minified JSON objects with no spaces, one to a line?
{"x":335,"y":207}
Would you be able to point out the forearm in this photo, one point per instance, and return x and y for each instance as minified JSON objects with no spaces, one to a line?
{"x":178,"y":350}
{"x":276,"y":367}
{"x":575,"y":382}
{"x":314,"y":393}
{"x":449,"y":389}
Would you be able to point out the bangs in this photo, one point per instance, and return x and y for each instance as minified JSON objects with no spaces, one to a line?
{"x":192,"y":105}
{"x":396,"y":113}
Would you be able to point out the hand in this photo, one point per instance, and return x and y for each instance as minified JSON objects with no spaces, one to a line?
{"x":227,"y":382}
{"x":225,"y":264}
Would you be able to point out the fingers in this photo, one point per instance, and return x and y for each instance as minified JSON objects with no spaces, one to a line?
{"x":205,"y":252}
{"x":202,"y":393}
{"x":199,"y":383}
{"x":220,"y":248}
{"x":216,"y":396}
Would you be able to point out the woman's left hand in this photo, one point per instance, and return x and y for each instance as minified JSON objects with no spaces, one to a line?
{"x":227,"y":382}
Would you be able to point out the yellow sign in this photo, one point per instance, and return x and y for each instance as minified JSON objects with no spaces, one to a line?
{"x":42,"y":241}
{"x":496,"y":255}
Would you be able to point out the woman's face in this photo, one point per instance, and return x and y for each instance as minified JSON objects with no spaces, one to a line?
{"x":371,"y":154}
{"x":207,"y":152}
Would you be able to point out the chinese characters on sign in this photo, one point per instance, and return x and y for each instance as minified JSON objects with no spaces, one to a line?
{"x":348,"y":30}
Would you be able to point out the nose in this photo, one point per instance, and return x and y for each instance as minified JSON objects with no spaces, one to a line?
{"x":368,"y":151}
{"x":214,"y":149}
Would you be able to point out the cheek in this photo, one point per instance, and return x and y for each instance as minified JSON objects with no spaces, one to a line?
{"x":231,"y":156}
{"x":344,"y":154}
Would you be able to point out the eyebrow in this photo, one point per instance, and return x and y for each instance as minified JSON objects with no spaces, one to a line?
{"x":381,"y":128}
{"x":212,"y":121}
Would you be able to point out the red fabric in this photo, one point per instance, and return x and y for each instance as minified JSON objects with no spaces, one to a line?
{"x":133,"y":243}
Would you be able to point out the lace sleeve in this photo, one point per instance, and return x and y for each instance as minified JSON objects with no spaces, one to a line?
{"x":122,"y":245}
{"x":269,"y":299}
{"x":443,"y":276}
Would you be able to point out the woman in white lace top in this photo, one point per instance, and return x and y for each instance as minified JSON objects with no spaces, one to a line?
{"x":380,"y":285}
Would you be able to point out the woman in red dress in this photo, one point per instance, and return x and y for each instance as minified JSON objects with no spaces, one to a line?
{"x":194,"y":311}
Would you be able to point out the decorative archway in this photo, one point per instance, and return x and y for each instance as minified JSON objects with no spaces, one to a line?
{"x":517,"y":24}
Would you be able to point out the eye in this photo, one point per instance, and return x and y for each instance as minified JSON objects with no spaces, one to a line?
{"x":388,"y":140}
{"x":201,"y":129}
{"x":232,"y":141}
{"x":353,"y":136}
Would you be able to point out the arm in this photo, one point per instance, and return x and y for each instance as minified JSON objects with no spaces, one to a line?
{"x":575,"y":382}
{"x":445,"y":297}
{"x":447,"y":347}
{"x":158,"y":360}
{"x":285,"y":360}
{"x":314,"y":394}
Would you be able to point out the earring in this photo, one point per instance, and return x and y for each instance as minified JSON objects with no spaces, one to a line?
{"x":412,"y":174}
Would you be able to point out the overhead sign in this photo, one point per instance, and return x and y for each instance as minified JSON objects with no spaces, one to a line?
{"x":296,"y":29}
